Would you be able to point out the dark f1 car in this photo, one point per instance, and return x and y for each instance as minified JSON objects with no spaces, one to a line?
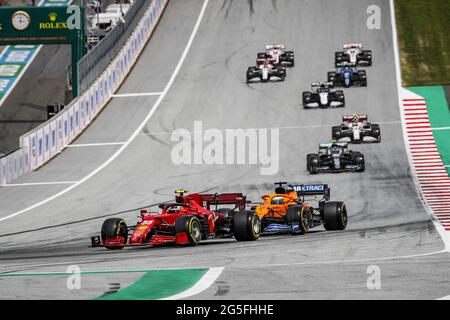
{"x":356,"y":128}
{"x":348,"y":77}
{"x":188,"y":220}
{"x":354,"y":55}
{"x":266,"y":72}
{"x":277,"y":55}
{"x":296,"y":209}
{"x":321,"y":96}
{"x":335,"y":157}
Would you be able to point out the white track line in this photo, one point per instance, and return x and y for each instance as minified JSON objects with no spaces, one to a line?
{"x":204,"y":283}
{"x":135,"y":133}
{"x":38,"y":183}
{"x":440,"y":229}
{"x":95,"y":144}
{"x":7,"y":269}
{"x":441,"y":128}
{"x":268,"y":128}
{"x":145,"y":94}
{"x":353,"y":261}
{"x":62,"y":273}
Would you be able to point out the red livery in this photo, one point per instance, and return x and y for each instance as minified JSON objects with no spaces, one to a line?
{"x":188,"y":220}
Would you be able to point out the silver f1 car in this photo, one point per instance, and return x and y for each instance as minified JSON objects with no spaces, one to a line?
{"x":321,"y":96}
{"x":335,"y":157}
{"x":266,"y":72}
{"x":354,"y":55}
{"x":356,"y":128}
{"x":277,"y":55}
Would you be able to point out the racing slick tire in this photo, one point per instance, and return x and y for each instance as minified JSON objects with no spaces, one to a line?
{"x":281,"y":72}
{"x":338,"y":58}
{"x":306,"y":98}
{"x":336,"y":133}
{"x":113,"y":228}
{"x":308,"y":162}
{"x":359,"y":160}
{"x":248,"y":78}
{"x":335,"y":215}
{"x":340,"y":97}
{"x":246,"y":226}
{"x":376,"y":133}
{"x":312,"y":163}
{"x":191,"y":226}
{"x":298,"y":214}
{"x":250,"y":73}
{"x":331,"y":77}
{"x":368,"y":55}
{"x":362,"y":78}
{"x":289,"y":57}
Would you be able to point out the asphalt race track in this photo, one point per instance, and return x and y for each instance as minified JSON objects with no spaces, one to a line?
{"x":388,"y":226}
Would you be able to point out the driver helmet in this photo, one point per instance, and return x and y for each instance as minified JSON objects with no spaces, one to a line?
{"x":334,"y":149}
{"x":179,"y":195}
{"x":355,"y":118}
{"x":277,"y":200}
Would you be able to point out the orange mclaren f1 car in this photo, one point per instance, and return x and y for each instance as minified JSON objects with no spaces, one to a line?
{"x":287,"y":210}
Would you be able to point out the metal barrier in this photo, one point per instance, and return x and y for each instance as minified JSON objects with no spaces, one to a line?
{"x":41,"y":144}
{"x":95,"y":61}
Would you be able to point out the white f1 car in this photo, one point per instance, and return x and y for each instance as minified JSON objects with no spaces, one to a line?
{"x":353,"y":55}
{"x":277,"y":55}
{"x":356,"y":128}
{"x":321,"y":96}
{"x":266,"y":72}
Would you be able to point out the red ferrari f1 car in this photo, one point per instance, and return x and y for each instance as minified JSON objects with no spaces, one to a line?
{"x":188,"y":220}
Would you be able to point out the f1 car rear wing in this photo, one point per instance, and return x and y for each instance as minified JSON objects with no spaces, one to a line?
{"x":330,"y":144}
{"x":206,"y":200}
{"x":275,"y":46}
{"x":303,"y":190}
{"x":317,"y":84}
{"x":262,"y":60}
{"x":346,"y":64}
{"x":360,"y":117}
{"x":312,"y":190}
{"x":353,"y":46}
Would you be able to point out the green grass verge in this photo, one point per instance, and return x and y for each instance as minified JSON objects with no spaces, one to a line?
{"x":152,"y":285}
{"x":157,"y":284}
{"x":439,"y":116}
{"x":424,"y":40}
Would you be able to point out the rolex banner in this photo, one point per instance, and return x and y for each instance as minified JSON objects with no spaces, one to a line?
{"x":40,"y":25}
{"x":45,"y":25}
